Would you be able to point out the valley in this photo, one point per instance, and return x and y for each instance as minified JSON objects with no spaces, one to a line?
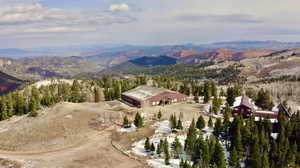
{"x":71,"y":112}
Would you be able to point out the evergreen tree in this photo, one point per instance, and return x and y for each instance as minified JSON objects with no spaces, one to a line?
{"x":219,"y":157}
{"x":216,"y":105}
{"x":176,"y":146}
{"x":222,"y":93}
{"x":214,"y":89}
{"x":158,"y":149}
{"x":10,"y":106}
{"x":152,"y":147}
{"x":4,"y":111}
{"x":234,"y":160}
{"x":138,"y":121}
{"x":190,"y":139}
{"x":231,"y":95}
{"x":75,"y":92}
{"x":265,"y":161}
{"x":263,"y":100}
{"x":179,"y":125}
{"x":173,"y":122}
{"x":20,"y":104}
{"x":33,"y":108}
{"x":126,"y":123}
{"x":201,"y":156}
{"x":226,"y":123}
{"x":166,"y":152}
{"x":218,"y":127}
{"x":254,"y":160}
{"x":147,"y":145}
{"x":236,"y":142}
{"x":200,"y":123}
{"x":210,"y":123}
{"x":159,"y":115}
{"x":207,"y":91}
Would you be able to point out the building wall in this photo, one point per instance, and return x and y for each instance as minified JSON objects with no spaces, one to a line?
{"x":156,"y":100}
{"x":168,"y":97}
{"x":242,"y":111}
{"x":131,"y":101}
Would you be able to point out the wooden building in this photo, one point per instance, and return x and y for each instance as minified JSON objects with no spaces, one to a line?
{"x":246,"y":109}
{"x":151,"y":96}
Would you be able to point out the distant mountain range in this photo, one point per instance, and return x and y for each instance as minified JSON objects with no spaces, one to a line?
{"x":8,"y":83}
{"x":42,"y":64}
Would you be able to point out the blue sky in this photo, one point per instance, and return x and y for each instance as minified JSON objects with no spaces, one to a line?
{"x":41,"y":23}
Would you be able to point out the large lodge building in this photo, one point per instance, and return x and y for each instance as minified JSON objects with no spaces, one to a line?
{"x":151,"y":96}
{"x":246,"y":109}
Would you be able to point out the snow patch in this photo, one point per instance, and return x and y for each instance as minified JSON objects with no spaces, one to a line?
{"x":132,"y":128}
{"x":160,"y":163}
{"x":217,"y":115}
{"x":162,"y":127}
{"x":274,"y":135}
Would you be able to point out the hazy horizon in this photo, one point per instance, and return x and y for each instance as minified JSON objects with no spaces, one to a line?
{"x":43,"y":23}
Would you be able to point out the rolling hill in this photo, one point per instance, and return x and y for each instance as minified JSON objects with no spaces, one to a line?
{"x":8,"y":83}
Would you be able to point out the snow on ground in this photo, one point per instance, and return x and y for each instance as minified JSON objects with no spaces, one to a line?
{"x":217,"y":115}
{"x":162,"y":127}
{"x":271,"y":120}
{"x":208,"y":132}
{"x":274,"y":135}
{"x":53,"y":81}
{"x":206,"y":108}
{"x":132,"y":128}
{"x":160,"y":163}
{"x":162,"y":131}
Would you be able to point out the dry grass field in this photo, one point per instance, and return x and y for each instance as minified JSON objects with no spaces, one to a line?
{"x":70,"y":135}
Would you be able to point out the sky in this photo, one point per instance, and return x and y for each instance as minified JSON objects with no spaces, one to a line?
{"x":42,"y":23}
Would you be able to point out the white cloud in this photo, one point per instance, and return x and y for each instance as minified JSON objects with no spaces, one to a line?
{"x":40,"y":19}
{"x":119,"y":7}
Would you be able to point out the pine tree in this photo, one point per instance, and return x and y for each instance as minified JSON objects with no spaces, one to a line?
{"x":158,"y":149}
{"x":152,"y":147}
{"x":190,"y":139}
{"x":138,"y":121}
{"x":147,"y":146}
{"x":207,"y":91}
{"x":226,"y":123}
{"x":20,"y":104}
{"x":200,"y":123}
{"x":173,"y":122}
{"x":10,"y":106}
{"x":75,"y":92}
{"x":126,"y":122}
{"x":166,"y":152}
{"x":264,"y":100}
{"x":159,"y":115}
{"x":201,"y":156}
{"x":234,"y":160}
{"x":176,"y":146}
{"x":265,"y":161}
{"x":33,"y":108}
{"x":4,"y":111}
{"x":210,"y":123}
{"x":254,"y":160}
{"x":219,"y":157}
{"x":216,"y":105}
{"x":218,"y":127}
{"x":231,"y":95}
{"x":179,"y":125}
